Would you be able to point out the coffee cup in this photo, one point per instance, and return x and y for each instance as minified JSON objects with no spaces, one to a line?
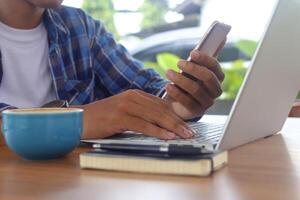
{"x":42,"y":133}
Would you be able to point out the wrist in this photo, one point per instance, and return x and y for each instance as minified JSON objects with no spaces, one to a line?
{"x":86,"y":132}
{"x":85,"y":121}
{"x":91,"y":129}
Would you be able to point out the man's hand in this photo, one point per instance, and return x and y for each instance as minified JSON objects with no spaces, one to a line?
{"x":133,"y":110}
{"x":190,"y":98}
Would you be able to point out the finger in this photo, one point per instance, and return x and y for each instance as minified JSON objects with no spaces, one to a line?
{"x":209,"y":62}
{"x":184,"y":99}
{"x":161,"y":105}
{"x":139,"y":125}
{"x":207,"y":77}
{"x":196,"y":93}
{"x":212,"y":86}
{"x":160,"y":116}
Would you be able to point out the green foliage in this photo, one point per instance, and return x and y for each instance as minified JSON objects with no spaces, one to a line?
{"x":153,"y":12}
{"x":102,"y":10}
{"x":164,"y":62}
{"x":233,"y":79}
{"x":248,"y":47}
{"x":234,"y":75}
{"x":167,"y":61}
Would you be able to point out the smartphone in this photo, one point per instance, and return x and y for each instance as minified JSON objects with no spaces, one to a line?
{"x":211,"y":43}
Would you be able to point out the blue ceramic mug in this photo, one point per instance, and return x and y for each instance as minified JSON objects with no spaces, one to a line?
{"x":42,"y":133}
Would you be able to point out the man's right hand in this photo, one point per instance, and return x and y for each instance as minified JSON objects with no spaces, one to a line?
{"x":133,"y":110}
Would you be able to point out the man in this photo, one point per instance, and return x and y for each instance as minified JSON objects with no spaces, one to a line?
{"x":49,"y":52}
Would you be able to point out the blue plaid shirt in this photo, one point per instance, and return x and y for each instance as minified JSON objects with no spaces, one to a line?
{"x":86,"y":63}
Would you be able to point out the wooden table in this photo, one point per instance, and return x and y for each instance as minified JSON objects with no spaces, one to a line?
{"x":266,"y":169}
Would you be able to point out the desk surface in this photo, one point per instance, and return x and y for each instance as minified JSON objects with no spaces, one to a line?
{"x":266,"y":169}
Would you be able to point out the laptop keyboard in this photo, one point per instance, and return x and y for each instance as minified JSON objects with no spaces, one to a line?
{"x":207,"y":132}
{"x":204,"y":132}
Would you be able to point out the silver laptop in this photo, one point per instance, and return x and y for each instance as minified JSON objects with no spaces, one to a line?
{"x":265,"y":98}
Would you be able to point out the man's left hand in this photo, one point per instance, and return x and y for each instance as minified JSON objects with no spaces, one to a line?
{"x":189,"y":98}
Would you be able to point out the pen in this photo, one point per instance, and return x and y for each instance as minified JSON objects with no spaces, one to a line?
{"x":170,"y":149}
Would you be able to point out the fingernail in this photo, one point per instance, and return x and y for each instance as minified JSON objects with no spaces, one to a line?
{"x":170,"y":73}
{"x":193,"y":132}
{"x":188,"y":133}
{"x":196,"y":53}
{"x":181,"y":64}
{"x":170,"y":135}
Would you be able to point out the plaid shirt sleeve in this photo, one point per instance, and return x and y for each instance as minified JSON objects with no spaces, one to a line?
{"x":115,"y":67}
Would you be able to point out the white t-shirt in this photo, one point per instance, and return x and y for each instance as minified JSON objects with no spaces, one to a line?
{"x":26,"y":80}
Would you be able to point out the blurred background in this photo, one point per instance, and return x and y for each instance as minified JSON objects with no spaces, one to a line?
{"x":160,"y":32}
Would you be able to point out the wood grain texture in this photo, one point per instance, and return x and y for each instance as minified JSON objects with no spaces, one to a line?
{"x":266,"y":169}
